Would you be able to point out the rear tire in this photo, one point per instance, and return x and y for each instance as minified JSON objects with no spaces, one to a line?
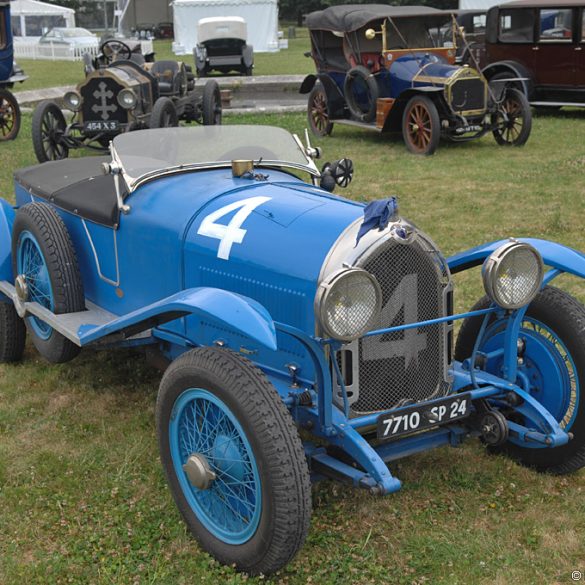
{"x":318,"y":112}
{"x":556,"y":321}
{"x":211,"y":104}
{"x":12,"y":334}
{"x":43,"y":253}
{"x":216,"y":406}
{"x":9,"y":116}
{"x":48,"y":128}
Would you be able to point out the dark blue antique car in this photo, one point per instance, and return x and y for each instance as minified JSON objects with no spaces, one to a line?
{"x":10,"y":74}
{"x":277,"y":308}
{"x":389,"y":68}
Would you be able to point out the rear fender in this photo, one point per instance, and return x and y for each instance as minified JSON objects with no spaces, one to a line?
{"x":308,"y":84}
{"x":554,"y":255}
{"x":235,"y":312}
{"x":7,"y":214}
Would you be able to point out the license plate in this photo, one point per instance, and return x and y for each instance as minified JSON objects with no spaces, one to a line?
{"x":101,"y":126}
{"x":423,"y":416}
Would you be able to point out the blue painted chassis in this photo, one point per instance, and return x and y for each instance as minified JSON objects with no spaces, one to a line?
{"x":242,"y":323}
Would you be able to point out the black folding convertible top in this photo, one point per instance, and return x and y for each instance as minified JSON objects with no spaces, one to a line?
{"x":77,"y":185}
{"x":351,"y":17}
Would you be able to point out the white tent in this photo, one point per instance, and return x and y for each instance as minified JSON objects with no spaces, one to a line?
{"x":30,"y":18}
{"x":133,"y":12}
{"x":478,"y":4}
{"x":260,"y":15}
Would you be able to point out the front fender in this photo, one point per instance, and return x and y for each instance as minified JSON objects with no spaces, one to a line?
{"x":239,"y":313}
{"x":553,"y":254}
{"x":514,"y":70}
{"x":6,"y":220}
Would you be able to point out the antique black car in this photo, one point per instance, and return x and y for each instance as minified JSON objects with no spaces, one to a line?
{"x":388,"y":68}
{"x":221,"y":46}
{"x":10,"y":74}
{"x":123,"y":90}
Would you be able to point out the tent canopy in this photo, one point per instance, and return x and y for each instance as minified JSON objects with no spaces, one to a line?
{"x":134,"y":12}
{"x":477,"y":4}
{"x":260,"y":15}
{"x":31,"y":18}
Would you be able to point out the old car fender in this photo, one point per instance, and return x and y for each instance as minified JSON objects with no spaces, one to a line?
{"x":308,"y":84}
{"x":237,"y":312}
{"x":6,"y":220}
{"x":515,"y":70}
{"x":555,"y":255}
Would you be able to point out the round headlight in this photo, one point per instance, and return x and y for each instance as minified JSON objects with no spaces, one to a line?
{"x":72,"y":100}
{"x":348,"y":303}
{"x":127,"y":99}
{"x":512,"y":275}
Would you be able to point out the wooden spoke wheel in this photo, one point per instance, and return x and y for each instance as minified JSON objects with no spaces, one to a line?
{"x":421,"y":126}
{"x":318,"y":113}
{"x":512,"y":122}
{"x":9,"y":116}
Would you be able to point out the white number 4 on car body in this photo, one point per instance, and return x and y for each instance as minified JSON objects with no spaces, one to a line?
{"x":232,"y":233}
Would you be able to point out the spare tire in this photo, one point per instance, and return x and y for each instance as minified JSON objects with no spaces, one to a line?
{"x":361,"y":93}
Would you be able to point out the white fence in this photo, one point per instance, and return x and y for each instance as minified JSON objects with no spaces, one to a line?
{"x":58,"y":52}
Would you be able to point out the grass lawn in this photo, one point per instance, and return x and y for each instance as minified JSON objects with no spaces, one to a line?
{"x":82,"y":495}
{"x":55,"y":73}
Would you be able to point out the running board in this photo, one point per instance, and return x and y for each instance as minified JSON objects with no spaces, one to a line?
{"x":68,"y":324}
{"x":357,"y":124}
{"x":557,"y":104}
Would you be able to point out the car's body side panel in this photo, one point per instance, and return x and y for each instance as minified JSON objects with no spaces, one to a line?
{"x":6,"y":221}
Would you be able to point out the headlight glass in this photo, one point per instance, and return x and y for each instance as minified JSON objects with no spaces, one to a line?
{"x":348,"y":303}
{"x":127,"y":99}
{"x":512,"y":275}
{"x":72,"y":100}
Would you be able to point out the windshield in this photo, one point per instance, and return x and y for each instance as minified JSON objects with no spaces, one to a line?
{"x":146,"y":154}
{"x":75,"y":32}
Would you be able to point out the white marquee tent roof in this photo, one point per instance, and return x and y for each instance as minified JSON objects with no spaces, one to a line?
{"x":35,"y":8}
{"x":478,"y":4}
{"x":32,"y":15}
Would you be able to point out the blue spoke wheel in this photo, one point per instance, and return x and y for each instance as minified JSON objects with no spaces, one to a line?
{"x":233,"y":459}
{"x":553,"y":368}
{"x":46,"y":272}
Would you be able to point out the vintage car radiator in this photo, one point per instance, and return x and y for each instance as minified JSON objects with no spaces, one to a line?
{"x":468,"y":95}
{"x":410,"y":366}
{"x":100,"y":103}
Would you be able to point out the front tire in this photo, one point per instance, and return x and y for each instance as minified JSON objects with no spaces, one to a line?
{"x":554,"y":362}
{"x":318,"y":112}
{"x":164,"y":114}
{"x":253,"y":506}
{"x":211,"y":104}
{"x":43,"y":256}
{"x":9,"y":116}
{"x":513,"y":121}
{"x":421,"y":125}
{"x":12,"y":334}
{"x":48,"y":129}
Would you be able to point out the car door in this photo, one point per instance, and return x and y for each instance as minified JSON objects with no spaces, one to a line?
{"x":580,"y":53}
{"x":554,"y":51}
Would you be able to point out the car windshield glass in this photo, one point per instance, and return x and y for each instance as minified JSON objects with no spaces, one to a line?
{"x":149,"y":153}
{"x":75,"y":32}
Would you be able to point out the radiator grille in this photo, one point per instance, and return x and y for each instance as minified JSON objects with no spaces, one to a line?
{"x":407,"y":366}
{"x":100,"y":101}
{"x":468,"y":94}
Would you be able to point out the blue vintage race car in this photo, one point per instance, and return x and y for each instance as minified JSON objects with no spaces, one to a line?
{"x":392,"y":69}
{"x":277,"y":308}
{"x":10,"y":73}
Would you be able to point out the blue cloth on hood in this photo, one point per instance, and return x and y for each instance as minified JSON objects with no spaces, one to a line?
{"x":377,"y":214}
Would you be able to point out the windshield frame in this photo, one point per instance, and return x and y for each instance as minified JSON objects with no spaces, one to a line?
{"x":134,"y":181}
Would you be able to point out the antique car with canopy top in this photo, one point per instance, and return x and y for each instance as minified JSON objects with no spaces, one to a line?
{"x":278,"y":307}
{"x":221,"y":46}
{"x":388,"y":68}
{"x":10,"y":73}
{"x":123,"y":90}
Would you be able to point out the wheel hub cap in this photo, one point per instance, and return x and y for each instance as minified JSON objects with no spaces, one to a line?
{"x":198,"y":471}
{"x":21,"y":288}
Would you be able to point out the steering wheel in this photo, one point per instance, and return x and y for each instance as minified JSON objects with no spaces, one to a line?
{"x":113,"y":49}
